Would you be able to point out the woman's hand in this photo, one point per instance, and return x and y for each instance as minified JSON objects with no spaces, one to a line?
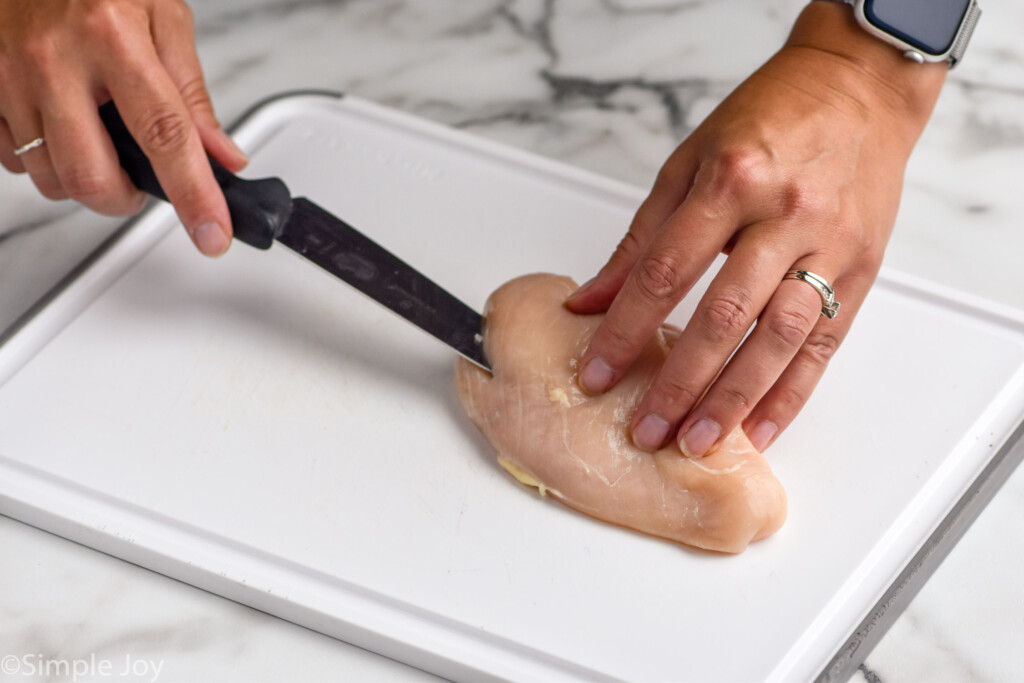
{"x":61,"y":59}
{"x":800,"y":168}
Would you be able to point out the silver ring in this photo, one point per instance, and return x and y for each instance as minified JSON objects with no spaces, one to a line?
{"x":829,"y":305}
{"x":38,"y":142}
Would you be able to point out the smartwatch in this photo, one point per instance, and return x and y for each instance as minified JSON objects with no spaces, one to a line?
{"x":925,"y":30}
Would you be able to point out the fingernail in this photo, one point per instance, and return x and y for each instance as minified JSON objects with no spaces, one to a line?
{"x":596,"y":376}
{"x":761,"y":435}
{"x":650,"y":433}
{"x":701,"y":436}
{"x":211,"y":239}
{"x":580,"y":290}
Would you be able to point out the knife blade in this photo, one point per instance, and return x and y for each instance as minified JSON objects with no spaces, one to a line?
{"x":263,"y":211}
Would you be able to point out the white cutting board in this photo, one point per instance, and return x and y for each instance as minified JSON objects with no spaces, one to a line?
{"x":257,"y":429}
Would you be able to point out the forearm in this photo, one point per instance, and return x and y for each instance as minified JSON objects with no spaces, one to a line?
{"x":885,"y":84}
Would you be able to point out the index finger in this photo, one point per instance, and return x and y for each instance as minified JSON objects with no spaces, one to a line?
{"x":673,"y":261}
{"x":158,"y":119}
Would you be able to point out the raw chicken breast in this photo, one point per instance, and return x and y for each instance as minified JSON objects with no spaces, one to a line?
{"x":551,"y":435}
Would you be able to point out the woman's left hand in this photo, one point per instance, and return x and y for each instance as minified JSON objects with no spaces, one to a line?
{"x":799,"y":169}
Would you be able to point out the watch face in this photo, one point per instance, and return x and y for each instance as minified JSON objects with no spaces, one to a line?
{"x":928,"y":25}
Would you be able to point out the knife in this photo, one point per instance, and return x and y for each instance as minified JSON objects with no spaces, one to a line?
{"x":263,"y":211}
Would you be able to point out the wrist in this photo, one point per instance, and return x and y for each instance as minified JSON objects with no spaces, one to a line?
{"x":866,"y":68}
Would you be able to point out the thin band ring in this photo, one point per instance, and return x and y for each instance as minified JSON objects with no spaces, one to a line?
{"x":829,"y":305}
{"x":38,"y":142}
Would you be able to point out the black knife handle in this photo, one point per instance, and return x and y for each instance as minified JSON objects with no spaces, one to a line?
{"x":259,"y":208}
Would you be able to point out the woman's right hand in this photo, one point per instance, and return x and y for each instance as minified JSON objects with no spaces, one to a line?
{"x":61,"y":59}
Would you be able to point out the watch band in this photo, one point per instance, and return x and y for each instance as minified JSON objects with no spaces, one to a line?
{"x":956,"y":51}
{"x":963,"y":37}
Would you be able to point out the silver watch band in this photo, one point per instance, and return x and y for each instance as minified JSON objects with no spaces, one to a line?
{"x":956,"y":53}
{"x":963,"y":36}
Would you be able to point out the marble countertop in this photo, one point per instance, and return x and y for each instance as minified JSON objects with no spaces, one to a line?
{"x":610,"y":86}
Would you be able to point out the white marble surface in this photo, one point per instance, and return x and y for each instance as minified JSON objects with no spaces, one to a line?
{"x":611,"y":86}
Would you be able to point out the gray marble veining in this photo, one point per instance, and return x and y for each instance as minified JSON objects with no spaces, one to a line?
{"x":611,"y":86}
